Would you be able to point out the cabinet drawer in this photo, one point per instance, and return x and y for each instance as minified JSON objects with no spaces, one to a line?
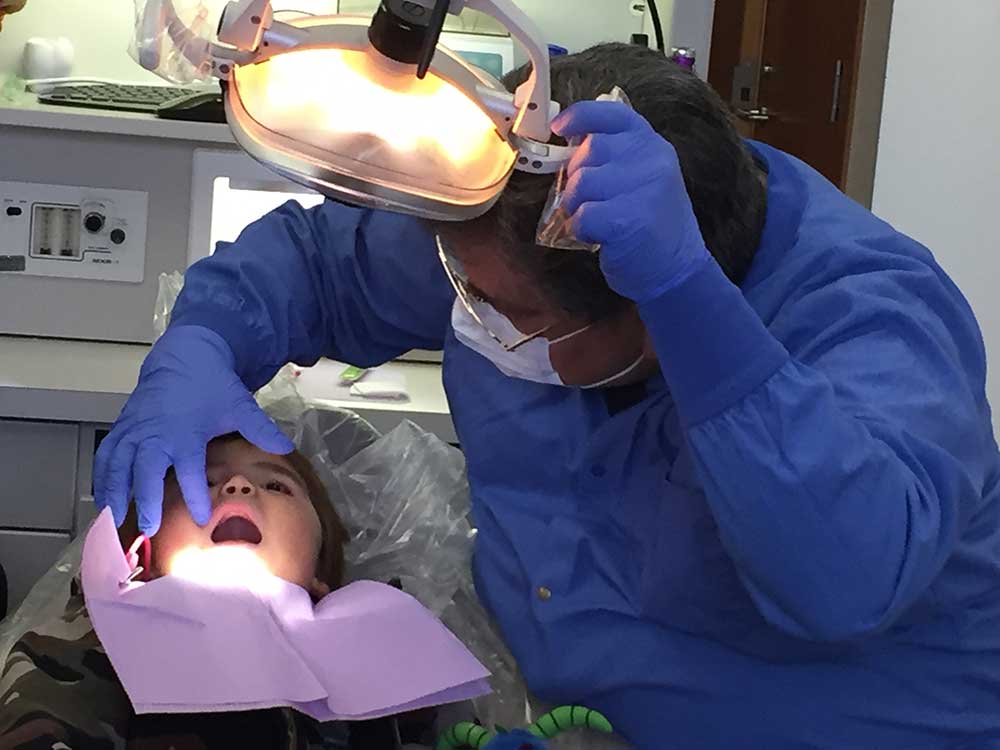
{"x":25,"y":557}
{"x":38,"y":462}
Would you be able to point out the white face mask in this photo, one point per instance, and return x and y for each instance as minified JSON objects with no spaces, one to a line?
{"x":530,"y":361}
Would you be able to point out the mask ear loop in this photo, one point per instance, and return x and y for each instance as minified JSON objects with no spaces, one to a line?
{"x":139,"y":557}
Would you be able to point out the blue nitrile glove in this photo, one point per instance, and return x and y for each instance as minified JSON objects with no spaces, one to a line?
{"x":626,"y":193}
{"x":188,"y":393}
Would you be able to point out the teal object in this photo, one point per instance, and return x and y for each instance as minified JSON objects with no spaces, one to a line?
{"x":491,"y":62}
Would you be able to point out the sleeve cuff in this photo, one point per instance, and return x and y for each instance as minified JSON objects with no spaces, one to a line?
{"x":231,"y":328}
{"x":714,"y":349}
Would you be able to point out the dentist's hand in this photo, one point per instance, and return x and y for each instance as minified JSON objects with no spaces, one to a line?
{"x":626,"y":193}
{"x":188,"y":393}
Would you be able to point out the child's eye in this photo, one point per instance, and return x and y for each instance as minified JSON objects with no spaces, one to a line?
{"x":275,"y":486}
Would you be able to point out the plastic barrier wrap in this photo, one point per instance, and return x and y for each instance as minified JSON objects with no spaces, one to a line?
{"x":45,"y":602}
{"x":173,"y":38}
{"x":555,"y":228}
{"x":169,"y":290}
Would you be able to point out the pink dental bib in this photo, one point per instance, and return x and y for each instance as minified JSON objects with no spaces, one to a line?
{"x":180,"y":646}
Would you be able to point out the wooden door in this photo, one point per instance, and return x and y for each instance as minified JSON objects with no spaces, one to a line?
{"x":789,"y":70}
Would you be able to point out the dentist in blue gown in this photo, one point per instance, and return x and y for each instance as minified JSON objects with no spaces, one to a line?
{"x":734,"y":476}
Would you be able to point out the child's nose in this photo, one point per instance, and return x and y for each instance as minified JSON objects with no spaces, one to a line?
{"x":237,"y":485}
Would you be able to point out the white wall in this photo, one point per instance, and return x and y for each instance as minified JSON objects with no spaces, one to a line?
{"x":101,"y":31}
{"x":938,"y":174}
{"x":574,"y":24}
{"x":101,"y":51}
{"x":578,"y":24}
{"x":691,"y":26}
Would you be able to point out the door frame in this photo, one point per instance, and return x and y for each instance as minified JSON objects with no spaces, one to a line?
{"x":866,"y":125}
{"x":864,"y":103}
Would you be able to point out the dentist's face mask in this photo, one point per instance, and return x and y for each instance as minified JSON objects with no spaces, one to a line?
{"x":482,"y":328}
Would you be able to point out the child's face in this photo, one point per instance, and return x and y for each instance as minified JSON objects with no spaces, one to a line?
{"x":258,"y":501}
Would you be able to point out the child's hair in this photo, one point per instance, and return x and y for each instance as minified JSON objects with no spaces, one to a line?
{"x":330,"y":565}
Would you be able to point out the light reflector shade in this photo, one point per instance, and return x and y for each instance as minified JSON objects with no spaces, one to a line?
{"x":356,"y":126}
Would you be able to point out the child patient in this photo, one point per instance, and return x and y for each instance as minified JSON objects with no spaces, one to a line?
{"x":58,"y":689}
{"x":274,"y":504}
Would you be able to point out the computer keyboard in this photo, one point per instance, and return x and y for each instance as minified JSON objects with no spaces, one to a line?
{"x":120,"y":97}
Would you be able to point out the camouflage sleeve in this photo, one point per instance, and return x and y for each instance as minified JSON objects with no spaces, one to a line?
{"x":58,"y":689}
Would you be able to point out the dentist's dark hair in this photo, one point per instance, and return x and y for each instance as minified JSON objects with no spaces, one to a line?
{"x":726,"y":185}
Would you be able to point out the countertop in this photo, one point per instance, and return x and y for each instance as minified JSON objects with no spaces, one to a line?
{"x":89,"y":382}
{"x":25,"y":111}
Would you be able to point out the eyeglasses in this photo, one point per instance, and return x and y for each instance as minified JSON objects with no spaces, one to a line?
{"x":479,"y":308}
{"x":475,"y":304}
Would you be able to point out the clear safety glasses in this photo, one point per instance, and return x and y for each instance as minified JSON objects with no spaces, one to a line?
{"x":482,"y":311}
{"x":476,"y":306}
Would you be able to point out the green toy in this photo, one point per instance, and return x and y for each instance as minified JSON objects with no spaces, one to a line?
{"x":468,"y":736}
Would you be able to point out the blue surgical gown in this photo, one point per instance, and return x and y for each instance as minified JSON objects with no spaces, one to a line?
{"x":789,"y":539}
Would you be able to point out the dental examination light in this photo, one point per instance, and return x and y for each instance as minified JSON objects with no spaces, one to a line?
{"x":375,"y":112}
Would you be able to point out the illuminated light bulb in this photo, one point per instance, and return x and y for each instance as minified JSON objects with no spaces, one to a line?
{"x":224,"y":566}
{"x":328,"y":96}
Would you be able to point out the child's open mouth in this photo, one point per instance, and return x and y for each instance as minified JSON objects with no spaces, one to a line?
{"x":236,"y":529}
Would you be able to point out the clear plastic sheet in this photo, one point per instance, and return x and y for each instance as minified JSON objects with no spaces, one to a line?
{"x":555,"y":229}
{"x":46,"y":601}
{"x":169,"y":290}
{"x":173,"y":38}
